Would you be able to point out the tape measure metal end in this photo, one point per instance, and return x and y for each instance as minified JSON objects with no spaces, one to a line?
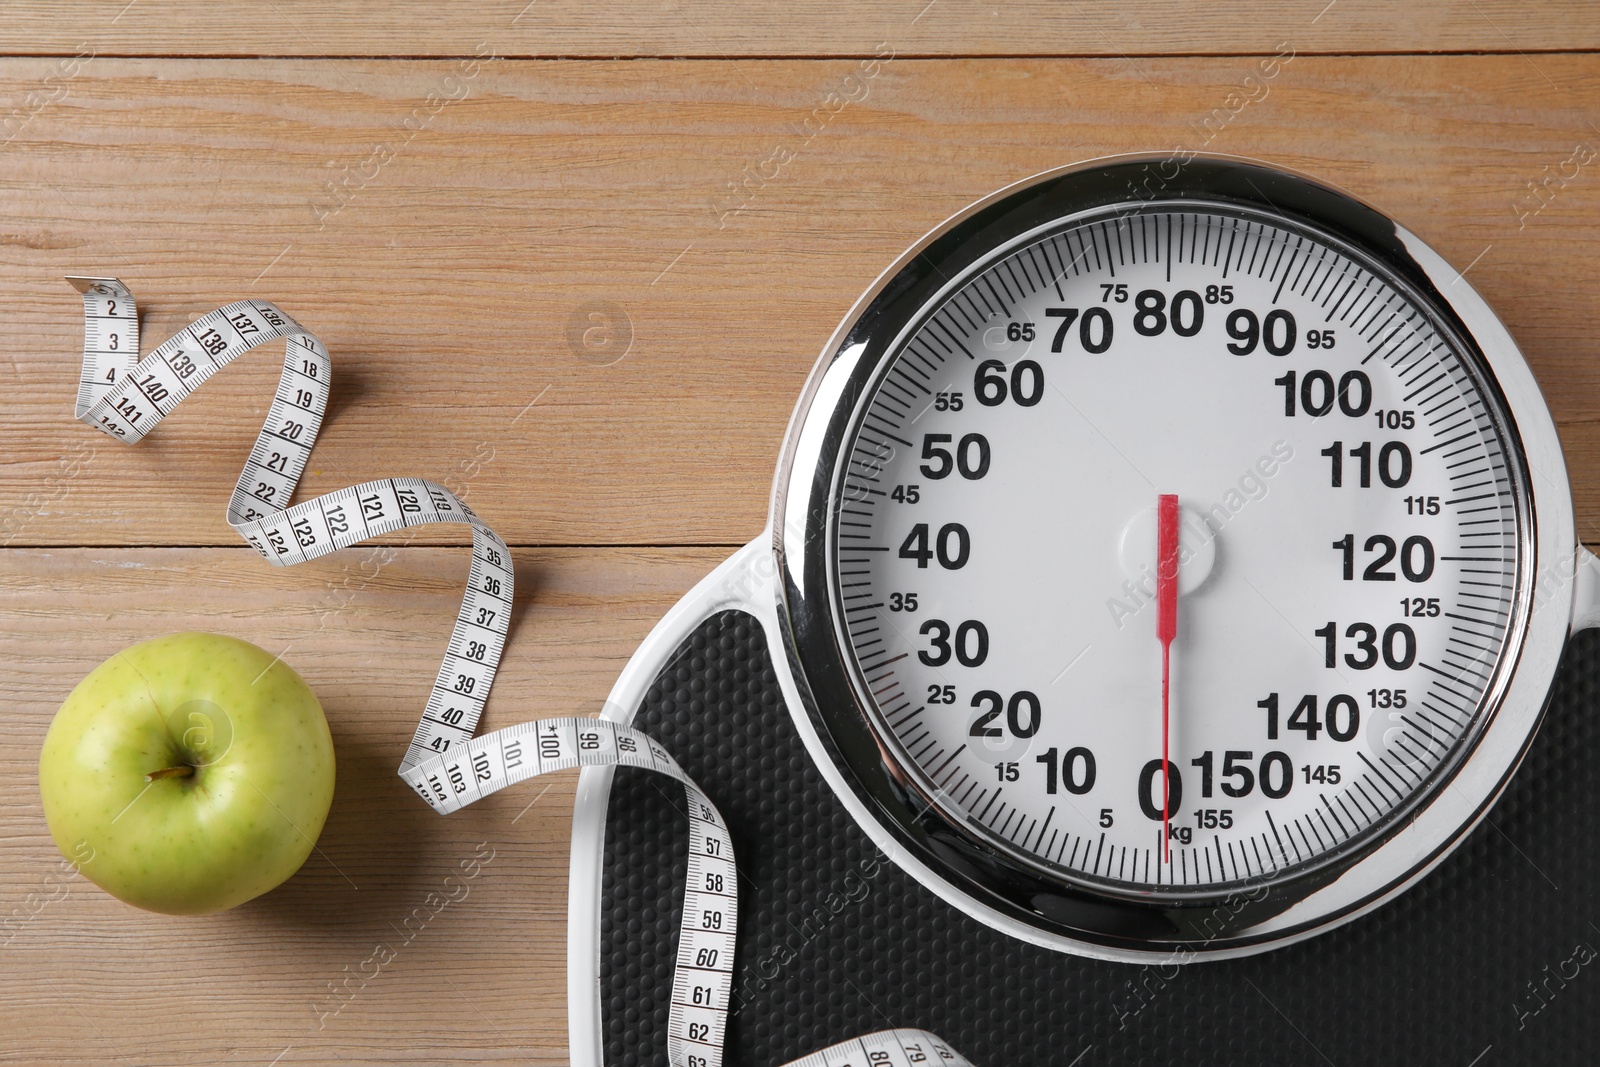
{"x":88,"y":285}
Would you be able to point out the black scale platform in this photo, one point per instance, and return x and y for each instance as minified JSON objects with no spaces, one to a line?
{"x":836,"y":941}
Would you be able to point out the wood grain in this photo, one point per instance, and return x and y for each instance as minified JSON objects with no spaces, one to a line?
{"x":109,"y":983}
{"x":446,"y":277}
{"x":736,"y":28}
{"x":448,"y":226}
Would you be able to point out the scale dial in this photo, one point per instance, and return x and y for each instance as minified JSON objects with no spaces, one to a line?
{"x":1348,"y":549}
{"x":973,"y":543}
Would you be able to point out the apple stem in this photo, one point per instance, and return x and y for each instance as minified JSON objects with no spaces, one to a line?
{"x":181,"y":771}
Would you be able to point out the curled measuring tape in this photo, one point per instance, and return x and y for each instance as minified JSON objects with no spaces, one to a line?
{"x":125,"y":398}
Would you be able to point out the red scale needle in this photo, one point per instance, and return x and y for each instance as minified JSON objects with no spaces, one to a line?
{"x":1166,"y":630}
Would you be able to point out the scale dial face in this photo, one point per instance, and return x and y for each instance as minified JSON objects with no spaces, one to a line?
{"x":1351,"y":538}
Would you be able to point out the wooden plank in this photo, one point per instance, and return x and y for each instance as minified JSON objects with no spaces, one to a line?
{"x":478,"y":980}
{"x":447,"y":276}
{"x":722,"y":28}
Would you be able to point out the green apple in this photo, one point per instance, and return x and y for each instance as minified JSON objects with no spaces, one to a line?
{"x":195,"y":769}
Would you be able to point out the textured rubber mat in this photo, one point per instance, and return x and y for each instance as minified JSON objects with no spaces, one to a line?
{"x":1493,"y":959}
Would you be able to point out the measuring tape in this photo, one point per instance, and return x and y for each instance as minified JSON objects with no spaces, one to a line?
{"x":125,"y":398}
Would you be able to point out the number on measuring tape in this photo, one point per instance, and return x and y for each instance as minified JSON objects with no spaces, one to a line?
{"x":125,"y":397}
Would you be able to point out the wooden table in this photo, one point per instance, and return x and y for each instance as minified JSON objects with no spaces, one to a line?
{"x":446,"y":196}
